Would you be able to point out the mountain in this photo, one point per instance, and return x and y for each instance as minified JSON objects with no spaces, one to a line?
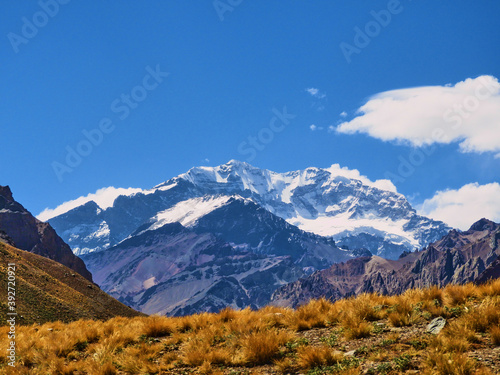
{"x":457,"y":258}
{"x":25,"y":232}
{"x":332,"y":202}
{"x":173,"y":270}
{"x":48,"y":291}
{"x":204,"y":254}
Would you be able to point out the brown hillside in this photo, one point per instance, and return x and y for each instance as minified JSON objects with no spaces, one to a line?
{"x":48,"y":291}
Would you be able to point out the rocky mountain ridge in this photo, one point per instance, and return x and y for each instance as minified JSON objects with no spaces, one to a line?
{"x":25,"y":232}
{"x":458,"y":257}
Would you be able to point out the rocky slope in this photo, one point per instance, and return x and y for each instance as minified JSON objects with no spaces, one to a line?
{"x":332,"y":202}
{"x":174,"y":270}
{"x":23,"y":230}
{"x":458,"y":257}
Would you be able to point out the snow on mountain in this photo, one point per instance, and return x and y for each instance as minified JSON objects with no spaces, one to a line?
{"x":333,"y":201}
{"x":189,"y":211}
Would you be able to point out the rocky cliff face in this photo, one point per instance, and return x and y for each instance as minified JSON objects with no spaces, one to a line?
{"x":458,"y":257}
{"x":24,"y":231}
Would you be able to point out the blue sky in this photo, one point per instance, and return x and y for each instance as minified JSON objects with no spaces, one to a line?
{"x":230,"y":71}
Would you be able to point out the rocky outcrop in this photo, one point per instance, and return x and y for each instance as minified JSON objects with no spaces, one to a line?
{"x":26,"y":232}
{"x":490,"y":273}
{"x":458,"y":257}
{"x":4,"y":238}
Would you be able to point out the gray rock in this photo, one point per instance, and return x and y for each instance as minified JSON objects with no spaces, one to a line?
{"x":436,"y":325}
{"x":351,"y":353}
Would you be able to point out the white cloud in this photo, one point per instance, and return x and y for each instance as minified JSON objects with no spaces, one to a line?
{"x":103,"y":197}
{"x":314,"y":127}
{"x":312,"y":91}
{"x":463,"y":207}
{"x":337,"y":170}
{"x":316,"y":93}
{"x":343,"y":114}
{"x":467,"y":112}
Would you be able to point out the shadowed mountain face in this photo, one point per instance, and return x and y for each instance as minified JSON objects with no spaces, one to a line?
{"x":23,"y":230}
{"x":327,"y":202}
{"x":458,"y":257}
{"x":173,"y":270}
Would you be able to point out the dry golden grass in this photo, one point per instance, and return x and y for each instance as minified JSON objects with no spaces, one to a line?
{"x":310,"y":357}
{"x":457,"y":328}
{"x":403,"y":313}
{"x":158,"y":326}
{"x":355,"y":328}
{"x":438,"y":363}
{"x":495,"y":335}
{"x":262,"y":347}
{"x":459,"y":294}
{"x":312,"y":338}
{"x":487,"y":314}
{"x":284,"y":365}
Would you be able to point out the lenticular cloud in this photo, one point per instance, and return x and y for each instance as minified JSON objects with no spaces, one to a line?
{"x":467,"y":113}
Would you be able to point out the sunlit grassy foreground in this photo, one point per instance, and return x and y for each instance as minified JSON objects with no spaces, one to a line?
{"x":379,"y":334}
